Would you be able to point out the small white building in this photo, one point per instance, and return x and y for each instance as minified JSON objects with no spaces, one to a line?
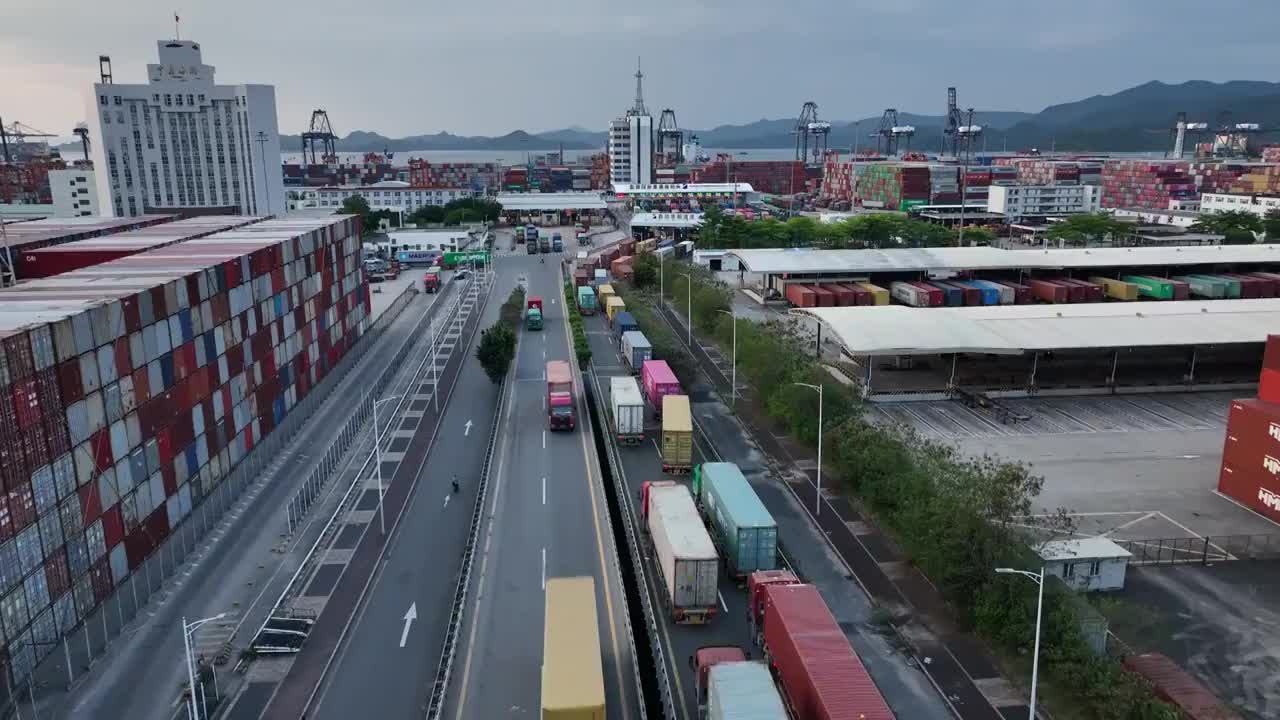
{"x":1087,"y":564}
{"x":1019,"y":202}
{"x":1256,"y":204}
{"x":386,"y":195}
{"x":1175,"y":218}
{"x":75,"y":192}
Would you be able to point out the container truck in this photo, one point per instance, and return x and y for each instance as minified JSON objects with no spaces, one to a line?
{"x":707,"y":657}
{"x":613,"y":306}
{"x":801,"y":295}
{"x":677,"y":434}
{"x":1230,"y":288}
{"x":742,"y":527}
{"x":952,"y":296}
{"x":819,"y":674}
{"x":1116,"y":289}
{"x":544,"y":244}
{"x":586,"y":300}
{"x":743,"y":691}
{"x":636,"y":350}
{"x":1050,"y":292}
{"x":533,"y":319}
{"x":826,"y":298}
{"x":756,"y":583}
{"x":557,"y":243}
{"x":1151,"y":287}
{"x":431,"y":280}
{"x":1177,"y":687}
{"x":879,"y":296}
{"x":600,"y":277}
{"x":581,"y":278}
{"x":908,"y":294}
{"x":531,"y":233}
{"x":658,"y":380}
{"x":626,"y":406}
{"x":603,"y":292}
{"x":560,"y":411}
{"x":623,"y":323}
{"x":572,"y":669}
{"x":531,"y":247}
{"x":686,"y":557}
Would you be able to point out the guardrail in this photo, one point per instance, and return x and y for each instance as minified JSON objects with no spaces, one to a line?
{"x":365,"y":410}
{"x":1202,"y":550}
{"x":637,"y":563}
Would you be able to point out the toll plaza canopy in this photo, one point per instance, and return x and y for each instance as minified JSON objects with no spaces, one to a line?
{"x":660,"y":190}
{"x":817,"y":262}
{"x":550,"y":202}
{"x":669,"y":220}
{"x":1014,"y":329}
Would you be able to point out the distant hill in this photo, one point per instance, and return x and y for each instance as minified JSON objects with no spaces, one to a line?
{"x":1135,"y":119}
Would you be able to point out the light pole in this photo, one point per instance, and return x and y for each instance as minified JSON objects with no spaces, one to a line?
{"x":817,"y":510}
{"x":188,"y":629}
{"x":377,"y":451}
{"x":733,"y":397}
{"x":688,"y":325}
{"x":1038,"y":578}
{"x":262,"y":152}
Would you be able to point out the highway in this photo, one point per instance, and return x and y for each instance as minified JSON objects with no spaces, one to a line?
{"x":386,"y":664}
{"x":547,"y":517}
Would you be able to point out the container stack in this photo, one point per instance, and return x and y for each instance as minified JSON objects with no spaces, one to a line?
{"x":776,"y":177}
{"x":561,"y":178}
{"x":894,"y":186}
{"x":451,"y":175}
{"x":1251,"y":455}
{"x":1259,"y":180}
{"x":581,"y":178}
{"x":129,"y":391}
{"x":516,"y":178}
{"x":1047,"y":172}
{"x":600,"y":171}
{"x":944,"y":184}
{"x":1145,"y":184}
{"x":837,"y":179}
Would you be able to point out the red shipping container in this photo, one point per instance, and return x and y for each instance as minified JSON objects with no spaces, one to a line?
{"x":22,"y":507}
{"x":1176,"y":686}
{"x":1269,"y":385}
{"x":90,"y":503}
{"x":101,"y":574}
{"x":936,"y":297}
{"x":70,"y":384}
{"x":113,"y":526}
{"x":860,"y":295}
{"x":818,"y":671}
{"x":6,"y":519}
{"x":844,"y":294}
{"x":826,"y":298}
{"x":801,"y":295}
{"x":26,"y":403}
{"x":1048,"y":291}
{"x":57,"y":574}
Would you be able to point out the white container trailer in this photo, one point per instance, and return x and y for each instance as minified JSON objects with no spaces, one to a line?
{"x":601,"y":276}
{"x":743,"y":691}
{"x":626,"y":405}
{"x":909,"y":294}
{"x":686,"y":557}
{"x":636,"y":349}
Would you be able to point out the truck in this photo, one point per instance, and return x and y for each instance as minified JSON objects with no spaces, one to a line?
{"x":431,"y":280}
{"x":626,"y":410}
{"x":677,"y":435}
{"x":686,"y":557}
{"x":560,"y":411}
{"x":658,"y":380}
{"x":623,"y":323}
{"x":533,"y":318}
{"x":613,"y":306}
{"x":636,"y":349}
{"x":572,"y":666}
{"x":741,"y":525}
{"x":544,"y":244}
{"x":742,"y":690}
{"x":586,"y":300}
{"x":819,"y":674}
{"x":531,"y":247}
{"x":557,"y":243}
{"x":530,"y":232}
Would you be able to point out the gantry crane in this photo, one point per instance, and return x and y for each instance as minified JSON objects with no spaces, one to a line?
{"x":890,"y":133}
{"x":17,"y":133}
{"x":670,"y":137}
{"x":319,"y":133}
{"x":809,"y":129}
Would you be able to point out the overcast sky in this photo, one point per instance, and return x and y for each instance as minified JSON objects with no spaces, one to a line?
{"x":491,"y":66}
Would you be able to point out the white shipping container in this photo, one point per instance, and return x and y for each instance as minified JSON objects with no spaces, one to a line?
{"x":626,"y":409}
{"x":119,"y":563}
{"x":908,"y":294}
{"x":686,"y":556}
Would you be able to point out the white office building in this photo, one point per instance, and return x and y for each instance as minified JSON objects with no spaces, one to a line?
{"x":181,"y":142}
{"x":1256,"y":204}
{"x":1020,"y":202}
{"x":385,"y":195}
{"x":75,"y":192}
{"x":631,"y":142}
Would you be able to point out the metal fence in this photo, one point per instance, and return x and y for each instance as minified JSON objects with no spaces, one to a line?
{"x":36,"y":665}
{"x":1203,"y":550}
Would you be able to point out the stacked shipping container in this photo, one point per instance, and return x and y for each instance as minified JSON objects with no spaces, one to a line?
{"x":1251,"y":454}
{"x":425,"y":174}
{"x":1260,"y":179}
{"x":895,"y":186}
{"x":1145,"y":184}
{"x":129,"y":391}
{"x":776,"y":177}
{"x":36,"y":234}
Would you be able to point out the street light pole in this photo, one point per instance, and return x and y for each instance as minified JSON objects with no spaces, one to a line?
{"x":733,"y":396}
{"x":262,"y":152}
{"x":1038,"y":578}
{"x":817,"y":510}
{"x":189,"y":660}
{"x":377,"y":451}
{"x":688,"y":325}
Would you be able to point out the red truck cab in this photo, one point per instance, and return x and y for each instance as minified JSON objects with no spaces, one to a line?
{"x":431,"y":280}
{"x":707,"y":657}
{"x":534,"y":301}
{"x":560,"y":409}
{"x":645,"y":487}
{"x":756,"y":583}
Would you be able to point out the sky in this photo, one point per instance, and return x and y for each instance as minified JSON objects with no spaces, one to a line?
{"x":487,"y":67}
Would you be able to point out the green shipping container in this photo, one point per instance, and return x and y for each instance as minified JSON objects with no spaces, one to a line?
{"x":746,"y":532}
{"x":1205,"y":285}
{"x":1151,"y":287}
{"x":586,"y":300}
{"x":1230,"y":287}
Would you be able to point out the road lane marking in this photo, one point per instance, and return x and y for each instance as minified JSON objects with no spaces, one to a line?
{"x":467,"y":430}
{"x":544,"y":491}
{"x":446,"y":500}
{"x":544,"y":439}
{"x":544,"y":568}
{"x":722,"y":605}
{"x":409,"y":616}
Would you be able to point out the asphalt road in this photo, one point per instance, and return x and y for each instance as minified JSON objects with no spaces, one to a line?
{"x":375,"y":674}
{"x":230,"y":570}
{"x":547,"y":518}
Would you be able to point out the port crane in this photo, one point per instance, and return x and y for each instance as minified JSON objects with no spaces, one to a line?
{"x":1233,"y":139}
{"x":670,"y":137}
{"x":960,"y":132}
{"x":16,"y":134}
{"x":319,"y":135}
{"x":810,"y":130}
{"x":1181,"y":130}
{"x":890,"y":133}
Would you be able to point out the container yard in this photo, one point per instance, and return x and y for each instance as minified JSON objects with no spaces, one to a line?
{"x":35,"y":234}
{"x":139,"y":384}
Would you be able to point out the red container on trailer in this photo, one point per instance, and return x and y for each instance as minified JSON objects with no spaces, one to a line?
{"x":936,"y":297}
{"x":844,"y":294}
{"x":818,"y":671}
{"x":1048,"y":291}
{"x":826,"y":298}
{"x":1182,"y":291}
{"x":861,"y":296}
{"x":801,"y":295}
{"x":1176,"y":686}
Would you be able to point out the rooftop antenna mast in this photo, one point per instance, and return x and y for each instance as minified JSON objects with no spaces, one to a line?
{"x":177,"y":27}
{"x":638,"y":108}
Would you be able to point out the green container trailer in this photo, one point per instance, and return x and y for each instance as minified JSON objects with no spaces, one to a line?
{"x":742,"y":526}
{"x":1205,"y":285}
{"x":1231,"y":287}
{"x":586,"y":300}
{"x":1151,"y":287}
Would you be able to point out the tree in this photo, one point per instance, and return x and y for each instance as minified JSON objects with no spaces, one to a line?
{"x":644,"y":273}
{"x":427,"y":215}
{"x":460,"y":215}
{"x":1237,"y":227}
{"x":1271,"y":225}
{"x":979,"y":235}
{"x":496,"y":350}
{"x":1085,"y":228}
{"x":357,"y":205}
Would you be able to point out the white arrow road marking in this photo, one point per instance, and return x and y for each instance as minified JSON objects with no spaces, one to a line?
{"x":467,"y":431}
{"x":446,"y":501}
{"x":409,"y":616}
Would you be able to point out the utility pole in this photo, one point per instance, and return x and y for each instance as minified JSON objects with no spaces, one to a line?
{"x":262,"y":151}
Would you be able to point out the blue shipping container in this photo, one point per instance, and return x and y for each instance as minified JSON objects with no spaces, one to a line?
{"x":746,"y":532}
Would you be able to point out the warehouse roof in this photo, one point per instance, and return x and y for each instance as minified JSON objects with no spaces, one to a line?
{"x":526,"y":202}
{"x":1013,"y":329}
{"x":805,"y":260}
{"x":661,"y":219}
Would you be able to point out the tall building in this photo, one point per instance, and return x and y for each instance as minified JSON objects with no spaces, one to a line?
{"x":75,"y":192}
{"x":182,"y":142}
{"x":631,"y":142}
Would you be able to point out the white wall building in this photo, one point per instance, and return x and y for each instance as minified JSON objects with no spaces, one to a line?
{"x":180,"y":141}
{"x":1176,"y":218}
{"x":1256,"y":204}
{"x":75,"y":192}
{"x":1018,"y":202}
{"x":1093,"y":563}
{"x":386,"y":195}
{"x":631,"y":142}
